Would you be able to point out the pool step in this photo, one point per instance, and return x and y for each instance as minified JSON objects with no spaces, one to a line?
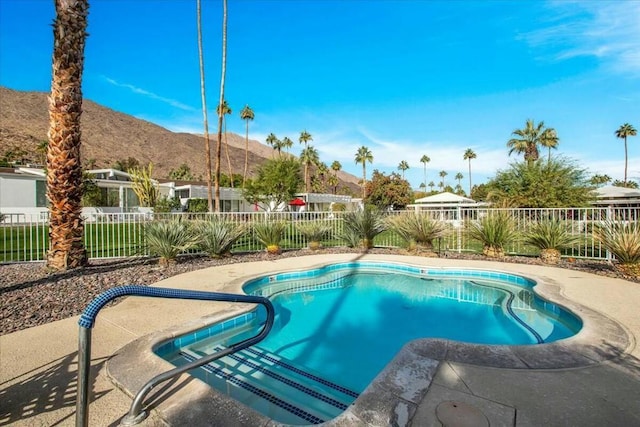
{"x":272,"y":385}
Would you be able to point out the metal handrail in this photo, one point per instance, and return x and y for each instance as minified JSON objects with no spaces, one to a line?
{"x":87,"y":320}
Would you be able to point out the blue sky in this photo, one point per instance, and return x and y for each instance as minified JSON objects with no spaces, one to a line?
{"x":404,"y":78}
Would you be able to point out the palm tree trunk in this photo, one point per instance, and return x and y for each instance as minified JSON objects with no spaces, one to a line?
{"x":469,"y":177}
{"x":364,"y":181}
{"x":246,"y":156}
{"x":625,"y":159}
{"x":226,"y":148}
{"x":207,"y":143}
{"x":64,"y":170}
{"x":220,"y":104}
{"x":306,"y":177}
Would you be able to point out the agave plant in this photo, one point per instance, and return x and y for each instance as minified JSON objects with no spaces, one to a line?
{"x":167,"y":239}
{"x":218,"y":235}
{"x":270,"y":234}
{"x":550,"y":236}
{"x":494,"y":232}
{"x":364,"y":225}
{"x":314,"y":232}
{"x":622,"y":239}
{"x":418,"y":229}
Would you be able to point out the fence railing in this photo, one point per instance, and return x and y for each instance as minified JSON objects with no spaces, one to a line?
{"x":24,"y":237}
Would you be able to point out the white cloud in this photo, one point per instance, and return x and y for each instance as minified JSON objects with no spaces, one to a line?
{"x":606,"y":30}
{"x":150,"y":95}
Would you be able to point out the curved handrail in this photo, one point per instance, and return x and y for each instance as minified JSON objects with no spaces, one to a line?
{"x":87,"y":321}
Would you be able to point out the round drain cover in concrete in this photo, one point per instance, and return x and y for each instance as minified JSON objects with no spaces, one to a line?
{"x":459,"y":414}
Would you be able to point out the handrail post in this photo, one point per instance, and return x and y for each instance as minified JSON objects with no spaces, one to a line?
{"x":84,"y":370}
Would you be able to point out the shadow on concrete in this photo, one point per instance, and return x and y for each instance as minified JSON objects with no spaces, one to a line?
{"x":45,"y":389}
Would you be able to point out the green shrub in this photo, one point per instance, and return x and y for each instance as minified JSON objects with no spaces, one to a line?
{"x":418,"y":228}
{"x":270,"y":234}
{"x":165,"y":204}
{"x":217,"y":235}
{"x":621,"y":238}
{"x":494,"y":231}
{"x":364,"y":225}
{"x":550,"y":236}
{"x":197,"y":205}
{"x":314,"y":232}
{"x":167,"y":239}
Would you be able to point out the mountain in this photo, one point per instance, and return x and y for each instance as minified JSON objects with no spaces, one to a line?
{"x":109,"y":136}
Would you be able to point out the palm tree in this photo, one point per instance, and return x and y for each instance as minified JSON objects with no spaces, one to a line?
{"x":529,"y":139}
{"x":41,"y":148}
{"x":207,"y":143}
{"x":364,"y":155}
{"x":459,"y":177}
{"x":226,"y":110}
{"x":287,"y":143}
{"x":333,"y":183}
{"x":403,"y":166}
{"x":550,"y":140}
{"x":469,"y":155}
{"x":442,"y":175}
{"x":623,"y":132}
{"x":64,"y":170}
{"x":305,"y":137}
{"x":431,"y":184}
{"x":323,"y":171}
{"x":335,"y":167}
{"x":220,"y":102}
{"x":278,"y":146}
{"x":424,"y":160}
{"x":308,"y":156}
{"x":247,"y":115}
{"x":272,"y":140}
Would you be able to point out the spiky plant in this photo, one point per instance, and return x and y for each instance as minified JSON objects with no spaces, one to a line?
{"x":270,"y":234}
{"x":418,"y":229}
{"x":550,"y":236}
{"x":366,"y":224}
{"x":314,"y":232}
{"x":218,"y":235}
{"x":622,"y":239}
{"x":494,"y":231}
{"x":167,"y":239}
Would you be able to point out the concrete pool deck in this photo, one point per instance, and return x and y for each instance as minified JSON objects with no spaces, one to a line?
{"x":38,"y":365}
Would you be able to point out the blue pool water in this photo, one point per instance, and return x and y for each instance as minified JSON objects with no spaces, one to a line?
{"x":337,"y":327}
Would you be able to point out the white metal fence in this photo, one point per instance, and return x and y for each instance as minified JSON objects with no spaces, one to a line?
{"x":24,"y":237}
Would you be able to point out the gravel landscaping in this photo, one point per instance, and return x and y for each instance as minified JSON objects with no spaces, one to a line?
{"x":32,"y":296}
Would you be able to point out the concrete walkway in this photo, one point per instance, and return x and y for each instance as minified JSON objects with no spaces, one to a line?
{"x":38,"y":365}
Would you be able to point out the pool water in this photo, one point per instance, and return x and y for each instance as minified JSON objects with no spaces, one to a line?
{"x":338,"y":327}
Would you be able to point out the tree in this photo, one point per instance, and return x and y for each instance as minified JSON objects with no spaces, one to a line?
{"x":226,"y":110}
{"x":42,"y":151}
{"x":220,"y":103}
{"x":550,"y":141}
{"x":628,"y":184}
{"x":529,"y":139}
{"x":403,"y":166}
{"x":469,"y":155}
{"x":287,"y":143}
{"x":207,"y":142}
{"x":333,"y":182}
{"x":623,"y":132}
{"x":424,"y":160}
{"x":271,"y":140}
{"x":459,"y":177}
{"x":143,"y":185}
{"x":598,"y":180}
{"x":442,"y":175}
{"x":277,"y":181}
{"x":431,"y":184}
{"x":385,"y":191}
{"x":305,"y":137}
{"x":126,"y":164}
{"x":183,"y":173}
{"x":247,"y":115}
{"x":308,"y":156}
{"x":64,"y":170}
{"x":552,"y":184}
{"x":364,"y":155}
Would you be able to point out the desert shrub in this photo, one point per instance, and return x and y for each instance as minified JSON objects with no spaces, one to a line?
{"x":418,"y":228}
{"x":217,"y":235}
{"x":167,"y":239}
{"x":270,"y":234}
{"x":550,"y":236}
{"x":621,"y":238}
{"x":494,"y":231}
{"x":314,"y":232}
{"x":364,"y":225}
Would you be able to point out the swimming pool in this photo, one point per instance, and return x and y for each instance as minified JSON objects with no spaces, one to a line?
{"x":337,"y":326}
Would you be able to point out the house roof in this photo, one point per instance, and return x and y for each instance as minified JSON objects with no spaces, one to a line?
{"x":445,"y":197}
{"x":612,"y":192}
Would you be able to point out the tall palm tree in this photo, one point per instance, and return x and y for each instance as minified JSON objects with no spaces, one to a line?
{"x":469,"y":155}
{"x":442,"y":175}
{"x":272,"y":140}
{"x":403,"y":166}
{"x":424,"y":160}
{"x":335,"y":167}
{"x":226,"y":110}
{"x":459,"y":177}
{"x":64,"y":170}
{"x":287,"y":143}
{"x":220,"y":102}
{"x":529,"y":139}
{"x":308,"y":156}
{"x":550,"y":140}
{"x":305,"y":137}
{"x":623,"y":132}
{"x":207,"y":142}
{"x":364,"y":155}
{"x":42,"y":148}
{"x":247,"y":115}
{"x":431,"y":184}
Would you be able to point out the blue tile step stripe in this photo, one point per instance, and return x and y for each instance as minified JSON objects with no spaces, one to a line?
{"x":291,"y":383}
{"x":299,"y":412}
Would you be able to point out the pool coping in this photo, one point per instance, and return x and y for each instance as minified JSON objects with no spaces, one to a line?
{"x":393,"y":396}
